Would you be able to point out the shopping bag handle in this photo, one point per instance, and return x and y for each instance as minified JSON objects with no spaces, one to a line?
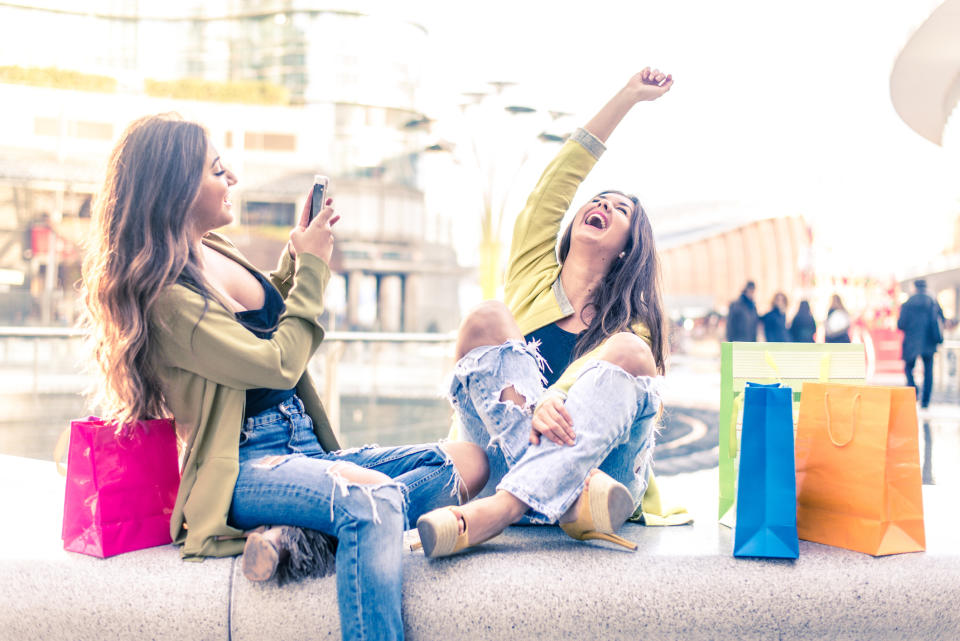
{"x":824,"y":375}
{"x":853,"y":428}
{"x":60,"y":449}
{"x":767,"y":356}
{"x":737,"y":406}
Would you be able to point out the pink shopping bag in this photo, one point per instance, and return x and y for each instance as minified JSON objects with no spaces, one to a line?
{"x":121,"y":486}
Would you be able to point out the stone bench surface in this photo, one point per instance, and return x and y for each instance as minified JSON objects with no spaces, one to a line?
{"x":682,"y":583}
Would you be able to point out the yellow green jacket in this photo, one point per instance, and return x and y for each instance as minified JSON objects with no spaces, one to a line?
{"x":206,"y":360}
{"x":532,"y":288}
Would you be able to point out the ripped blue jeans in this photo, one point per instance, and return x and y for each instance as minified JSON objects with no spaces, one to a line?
{"x":613,"y":414}
{"x":286,"y":479}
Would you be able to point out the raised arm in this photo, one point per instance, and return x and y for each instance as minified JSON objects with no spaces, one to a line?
{"x":532,"y":252}
{"x":644,"y":86}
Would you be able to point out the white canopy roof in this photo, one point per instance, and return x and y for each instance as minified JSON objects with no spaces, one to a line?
{"x":925,"y":81}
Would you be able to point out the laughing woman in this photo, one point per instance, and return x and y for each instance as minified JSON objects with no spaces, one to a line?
{"x":183,"y":325}
{"x":578,"y":452}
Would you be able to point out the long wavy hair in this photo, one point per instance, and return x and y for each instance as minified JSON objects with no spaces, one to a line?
{"x":139,"y":244}
{"x":629,"y":292}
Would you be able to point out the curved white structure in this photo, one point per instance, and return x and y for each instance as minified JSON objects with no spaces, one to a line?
{"x":925,"y":81}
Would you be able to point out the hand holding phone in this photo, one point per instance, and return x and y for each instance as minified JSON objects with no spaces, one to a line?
{"x":315,"y":237}
{"x":319,"y":195}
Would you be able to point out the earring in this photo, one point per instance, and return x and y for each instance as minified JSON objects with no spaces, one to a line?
{"x":622,"y":254}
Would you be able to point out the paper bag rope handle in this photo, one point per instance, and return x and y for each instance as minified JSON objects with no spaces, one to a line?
{"x":738,"y":398}
{"x":853,"y":428}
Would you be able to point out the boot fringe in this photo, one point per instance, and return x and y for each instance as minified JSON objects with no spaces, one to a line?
{"x":312,"y":554}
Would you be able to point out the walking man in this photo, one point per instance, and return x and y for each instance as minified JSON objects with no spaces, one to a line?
{"x":742,"y":317}
{"x":920,"y":319}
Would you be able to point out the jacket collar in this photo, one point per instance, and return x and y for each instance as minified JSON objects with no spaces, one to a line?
{"x":218,"y":243}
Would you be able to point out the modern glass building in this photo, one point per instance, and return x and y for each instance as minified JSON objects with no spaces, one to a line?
{"x":348,"y":108}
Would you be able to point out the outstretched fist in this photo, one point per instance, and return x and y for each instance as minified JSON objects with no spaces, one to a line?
{"x":649,"y":84}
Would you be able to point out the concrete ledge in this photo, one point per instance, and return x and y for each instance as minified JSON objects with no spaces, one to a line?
{"x":683,"y":583}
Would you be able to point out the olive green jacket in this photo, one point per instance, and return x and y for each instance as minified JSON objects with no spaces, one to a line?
{"x":206,"y":360}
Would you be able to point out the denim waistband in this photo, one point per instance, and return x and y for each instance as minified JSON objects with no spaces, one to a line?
{"x":290,"y":407}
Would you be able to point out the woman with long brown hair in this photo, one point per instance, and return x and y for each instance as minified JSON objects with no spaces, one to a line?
{"x":585,"y":318}
{"x":182,"y":324}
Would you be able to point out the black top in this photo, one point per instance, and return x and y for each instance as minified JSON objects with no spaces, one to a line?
{"x":263,"y":323}
{"x":556,"y":348}
{"x":775,"y":326}
{"x":803,"y":328}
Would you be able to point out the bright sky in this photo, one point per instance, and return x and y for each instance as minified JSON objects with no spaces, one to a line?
{"x":782,"y":107}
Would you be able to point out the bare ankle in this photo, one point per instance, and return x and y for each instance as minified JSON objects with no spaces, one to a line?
{"x":510,"y":507}
{"x":571,"y":513}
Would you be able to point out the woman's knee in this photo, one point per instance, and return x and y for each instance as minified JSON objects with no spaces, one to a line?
{"x":489,"y":323}
{"x":629,"y":352}
{"x":471,"y":464}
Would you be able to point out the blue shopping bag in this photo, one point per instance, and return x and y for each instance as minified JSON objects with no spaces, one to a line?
{"x":767,"y":482}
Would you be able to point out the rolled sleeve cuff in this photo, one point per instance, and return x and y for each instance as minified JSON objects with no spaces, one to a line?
{"x":551,"y":393}
{"x":589,"y":142}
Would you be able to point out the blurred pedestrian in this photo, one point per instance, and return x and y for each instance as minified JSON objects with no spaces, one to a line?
{"x":920,"y":319}
{"x":837,"y":327}
{"x":742,"y":317}
{"x":803,"y":327}
{"x":775,"y":321}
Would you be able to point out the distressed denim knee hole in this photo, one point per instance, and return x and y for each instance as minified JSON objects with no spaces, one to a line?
{"x":367,"y":489}
{"x":510,"y":390}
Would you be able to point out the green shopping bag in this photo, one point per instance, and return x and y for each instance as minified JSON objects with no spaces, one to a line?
{"x":790,"y":364}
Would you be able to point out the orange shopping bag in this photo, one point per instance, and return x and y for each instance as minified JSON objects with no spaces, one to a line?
{"x":858,"y":468}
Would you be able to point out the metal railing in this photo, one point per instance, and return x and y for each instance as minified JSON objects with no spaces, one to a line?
{"x":331,"y":337}
{"x":55,"y":366}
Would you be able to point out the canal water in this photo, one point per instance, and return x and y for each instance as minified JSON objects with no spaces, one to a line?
{"x":33,"y":424}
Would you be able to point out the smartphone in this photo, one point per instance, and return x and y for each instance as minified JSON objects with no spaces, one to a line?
{"x":319,"y":195}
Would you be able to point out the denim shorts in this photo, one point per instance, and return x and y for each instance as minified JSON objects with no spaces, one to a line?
{"x":614,"y":418}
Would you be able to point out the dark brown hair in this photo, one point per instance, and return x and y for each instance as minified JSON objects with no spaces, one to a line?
{"x":139,"y":244}
{"x":630,"y":291}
